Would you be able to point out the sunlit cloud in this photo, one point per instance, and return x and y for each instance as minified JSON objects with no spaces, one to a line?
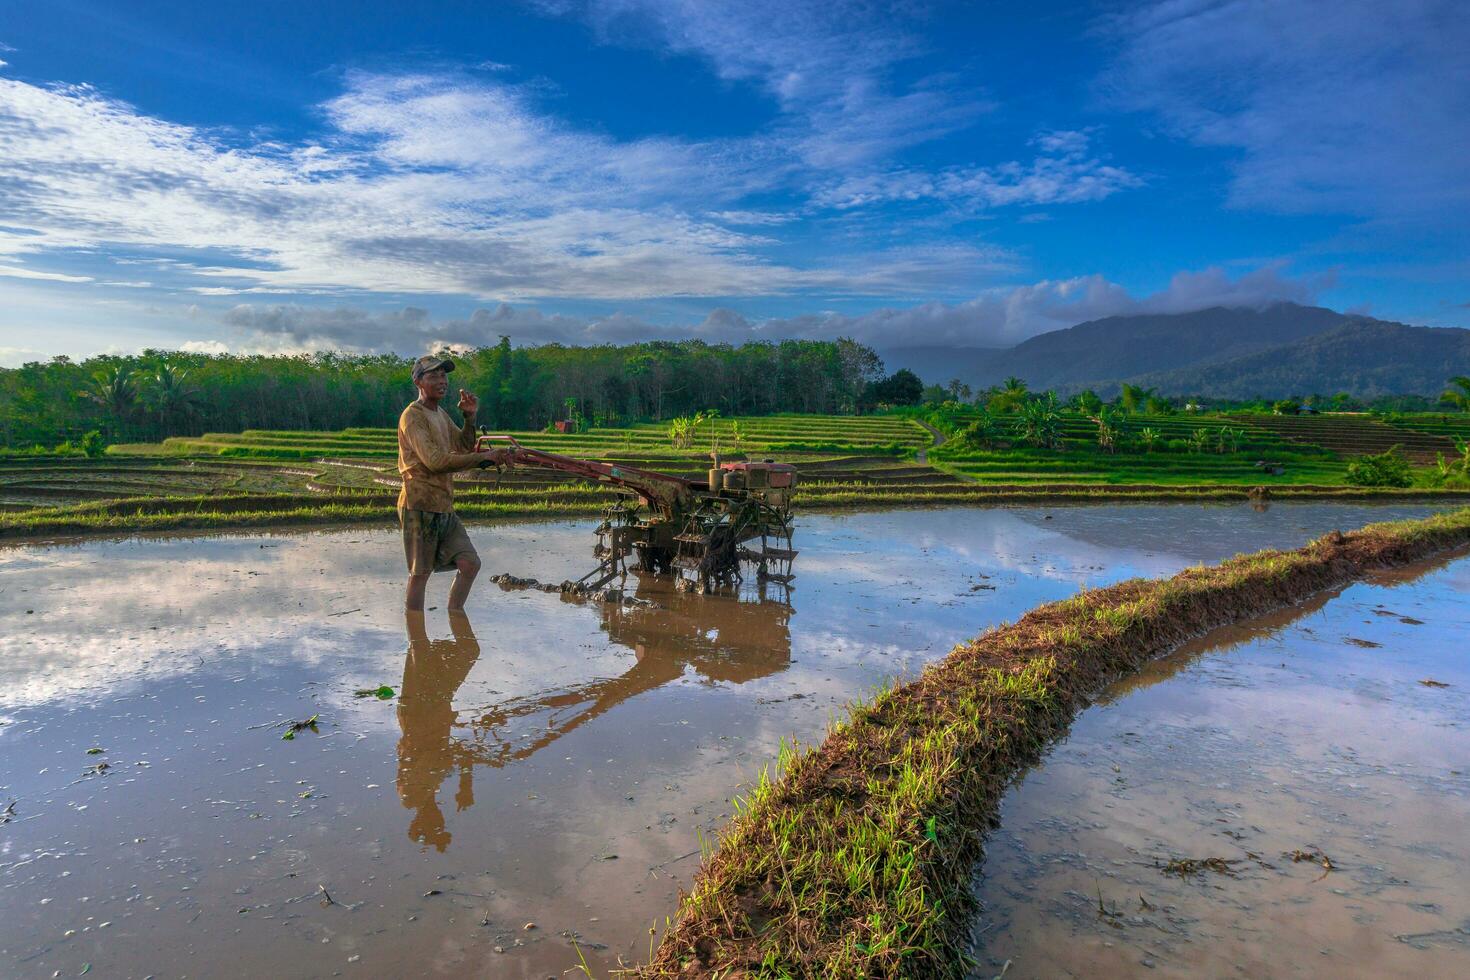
{"x":435,"y":184}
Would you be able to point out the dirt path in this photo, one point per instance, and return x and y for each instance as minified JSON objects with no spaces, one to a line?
{"x":939,"y":439}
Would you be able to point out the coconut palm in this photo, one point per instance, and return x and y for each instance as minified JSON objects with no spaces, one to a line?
{"x":1132,"y":398}
{"x":115,"y":390}
{"x":1458,"y":394}
{"x":1011,"y":396}
{"x":171,"y":396}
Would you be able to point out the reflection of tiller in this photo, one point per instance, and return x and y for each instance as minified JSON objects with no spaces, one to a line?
{"x":719,"y":641}
{"x":698,"y":530}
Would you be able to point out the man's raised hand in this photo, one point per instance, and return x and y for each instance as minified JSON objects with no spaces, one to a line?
{"x":468,"y":403}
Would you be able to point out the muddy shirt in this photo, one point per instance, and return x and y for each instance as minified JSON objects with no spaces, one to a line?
{"x":430,"y":450}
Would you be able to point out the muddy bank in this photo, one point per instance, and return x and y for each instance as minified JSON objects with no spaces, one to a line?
{"x":540,"y":761}
{"x":1284,"y":798}
{"x":857,"y":859}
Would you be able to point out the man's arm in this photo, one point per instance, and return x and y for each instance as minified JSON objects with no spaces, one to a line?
{"x":436,"y":457}
{"x":467,"y":435}
{"x":469,"y":405}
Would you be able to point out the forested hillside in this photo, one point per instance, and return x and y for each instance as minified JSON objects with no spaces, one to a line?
{"x":1364,"y":357}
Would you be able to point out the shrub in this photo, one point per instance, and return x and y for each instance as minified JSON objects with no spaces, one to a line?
{"x":1387,"y":469}
{"x":93,"y":444}
{"x":979,"y":434}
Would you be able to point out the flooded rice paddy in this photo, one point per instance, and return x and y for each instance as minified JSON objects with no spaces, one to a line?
{"x":1290,"y":797}
{"x":537,"y":785}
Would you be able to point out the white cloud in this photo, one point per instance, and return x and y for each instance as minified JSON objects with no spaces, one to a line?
{"x":204,"y":347}
{"x":17,"y":272}
{"x":1354,"y":106}
{"x":436,"y":185}
{"x":16,"y":356}
{"x":442,"y":184}
{"x":1065,"y":173}
{"x":996,"y":318}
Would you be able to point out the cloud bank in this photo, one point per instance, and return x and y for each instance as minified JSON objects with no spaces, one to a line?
{"x":995,"y":318}
{"x":451,"y":184}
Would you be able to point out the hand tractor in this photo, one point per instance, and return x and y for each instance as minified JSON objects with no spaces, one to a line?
{"x":700,"y":531}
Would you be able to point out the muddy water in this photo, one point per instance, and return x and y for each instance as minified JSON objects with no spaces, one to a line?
{"x":538,"y":763}
{"x":1300,"y":741}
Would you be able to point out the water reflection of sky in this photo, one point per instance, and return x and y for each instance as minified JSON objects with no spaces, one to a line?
{"x":1310,"y":730}
{"x":516,"y":761}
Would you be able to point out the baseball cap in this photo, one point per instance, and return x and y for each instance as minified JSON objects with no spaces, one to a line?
{"x":428,"y":363}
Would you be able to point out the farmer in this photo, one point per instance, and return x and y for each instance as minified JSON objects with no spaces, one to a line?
{"x":431,"y":449}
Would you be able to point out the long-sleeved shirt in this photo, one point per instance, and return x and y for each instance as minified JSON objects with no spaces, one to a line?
{"x":430,"y":451}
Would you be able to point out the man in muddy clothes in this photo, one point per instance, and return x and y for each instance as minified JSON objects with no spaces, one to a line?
{"x":431,"y":449}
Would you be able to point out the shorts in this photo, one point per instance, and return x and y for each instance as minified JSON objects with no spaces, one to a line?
{"x":432,"y":541}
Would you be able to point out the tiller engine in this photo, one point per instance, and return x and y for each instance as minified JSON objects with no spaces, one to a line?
{"x":701,"y":531}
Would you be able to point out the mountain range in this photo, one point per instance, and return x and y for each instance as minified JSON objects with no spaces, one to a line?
{"x":1237,"y":353}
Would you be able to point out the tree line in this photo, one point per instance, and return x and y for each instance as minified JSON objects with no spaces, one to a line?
{"x":155,"y":394}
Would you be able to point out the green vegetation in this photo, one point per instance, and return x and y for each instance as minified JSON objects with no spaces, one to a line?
{"x":1041,"y":444}
{"x":857,"y":859}
{"x":1386,"y":469}
{"x":157,"y":394}
{"x":261,"y":478}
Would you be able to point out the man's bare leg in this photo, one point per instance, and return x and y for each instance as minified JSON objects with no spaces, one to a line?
{"x":414,"y":600}
{"x":469,"y":567}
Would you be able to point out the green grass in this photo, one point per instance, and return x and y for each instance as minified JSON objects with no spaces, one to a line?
{"x":856,"y":860}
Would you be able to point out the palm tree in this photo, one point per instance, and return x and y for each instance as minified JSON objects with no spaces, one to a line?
{"x":171,"y":396}
{"x":1011,"y":396}
{"x":113,"y":388}
{"x":1460,"y":398}
{"x":1132,"y":397}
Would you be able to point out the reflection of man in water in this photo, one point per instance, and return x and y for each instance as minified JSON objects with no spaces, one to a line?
{"x":432,"y":673}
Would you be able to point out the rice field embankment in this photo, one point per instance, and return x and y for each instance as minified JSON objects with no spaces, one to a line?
{"x":856,"y":859}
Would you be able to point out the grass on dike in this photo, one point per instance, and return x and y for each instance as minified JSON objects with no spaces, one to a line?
{"x":856,"y":860}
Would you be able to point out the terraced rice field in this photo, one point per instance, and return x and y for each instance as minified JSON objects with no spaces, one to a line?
{"x":1357,"y":435}
{"x":267,"y":478}
{"x":1449,"y":427}
{"x":648,"y":441}
{"x":1257,"y":456}
{"x":273,"y":477}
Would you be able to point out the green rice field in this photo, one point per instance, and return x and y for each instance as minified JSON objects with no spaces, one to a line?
{"x":275,"y":477}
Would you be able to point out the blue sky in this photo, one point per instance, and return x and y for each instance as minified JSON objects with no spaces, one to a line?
{"x":382,"y":176}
